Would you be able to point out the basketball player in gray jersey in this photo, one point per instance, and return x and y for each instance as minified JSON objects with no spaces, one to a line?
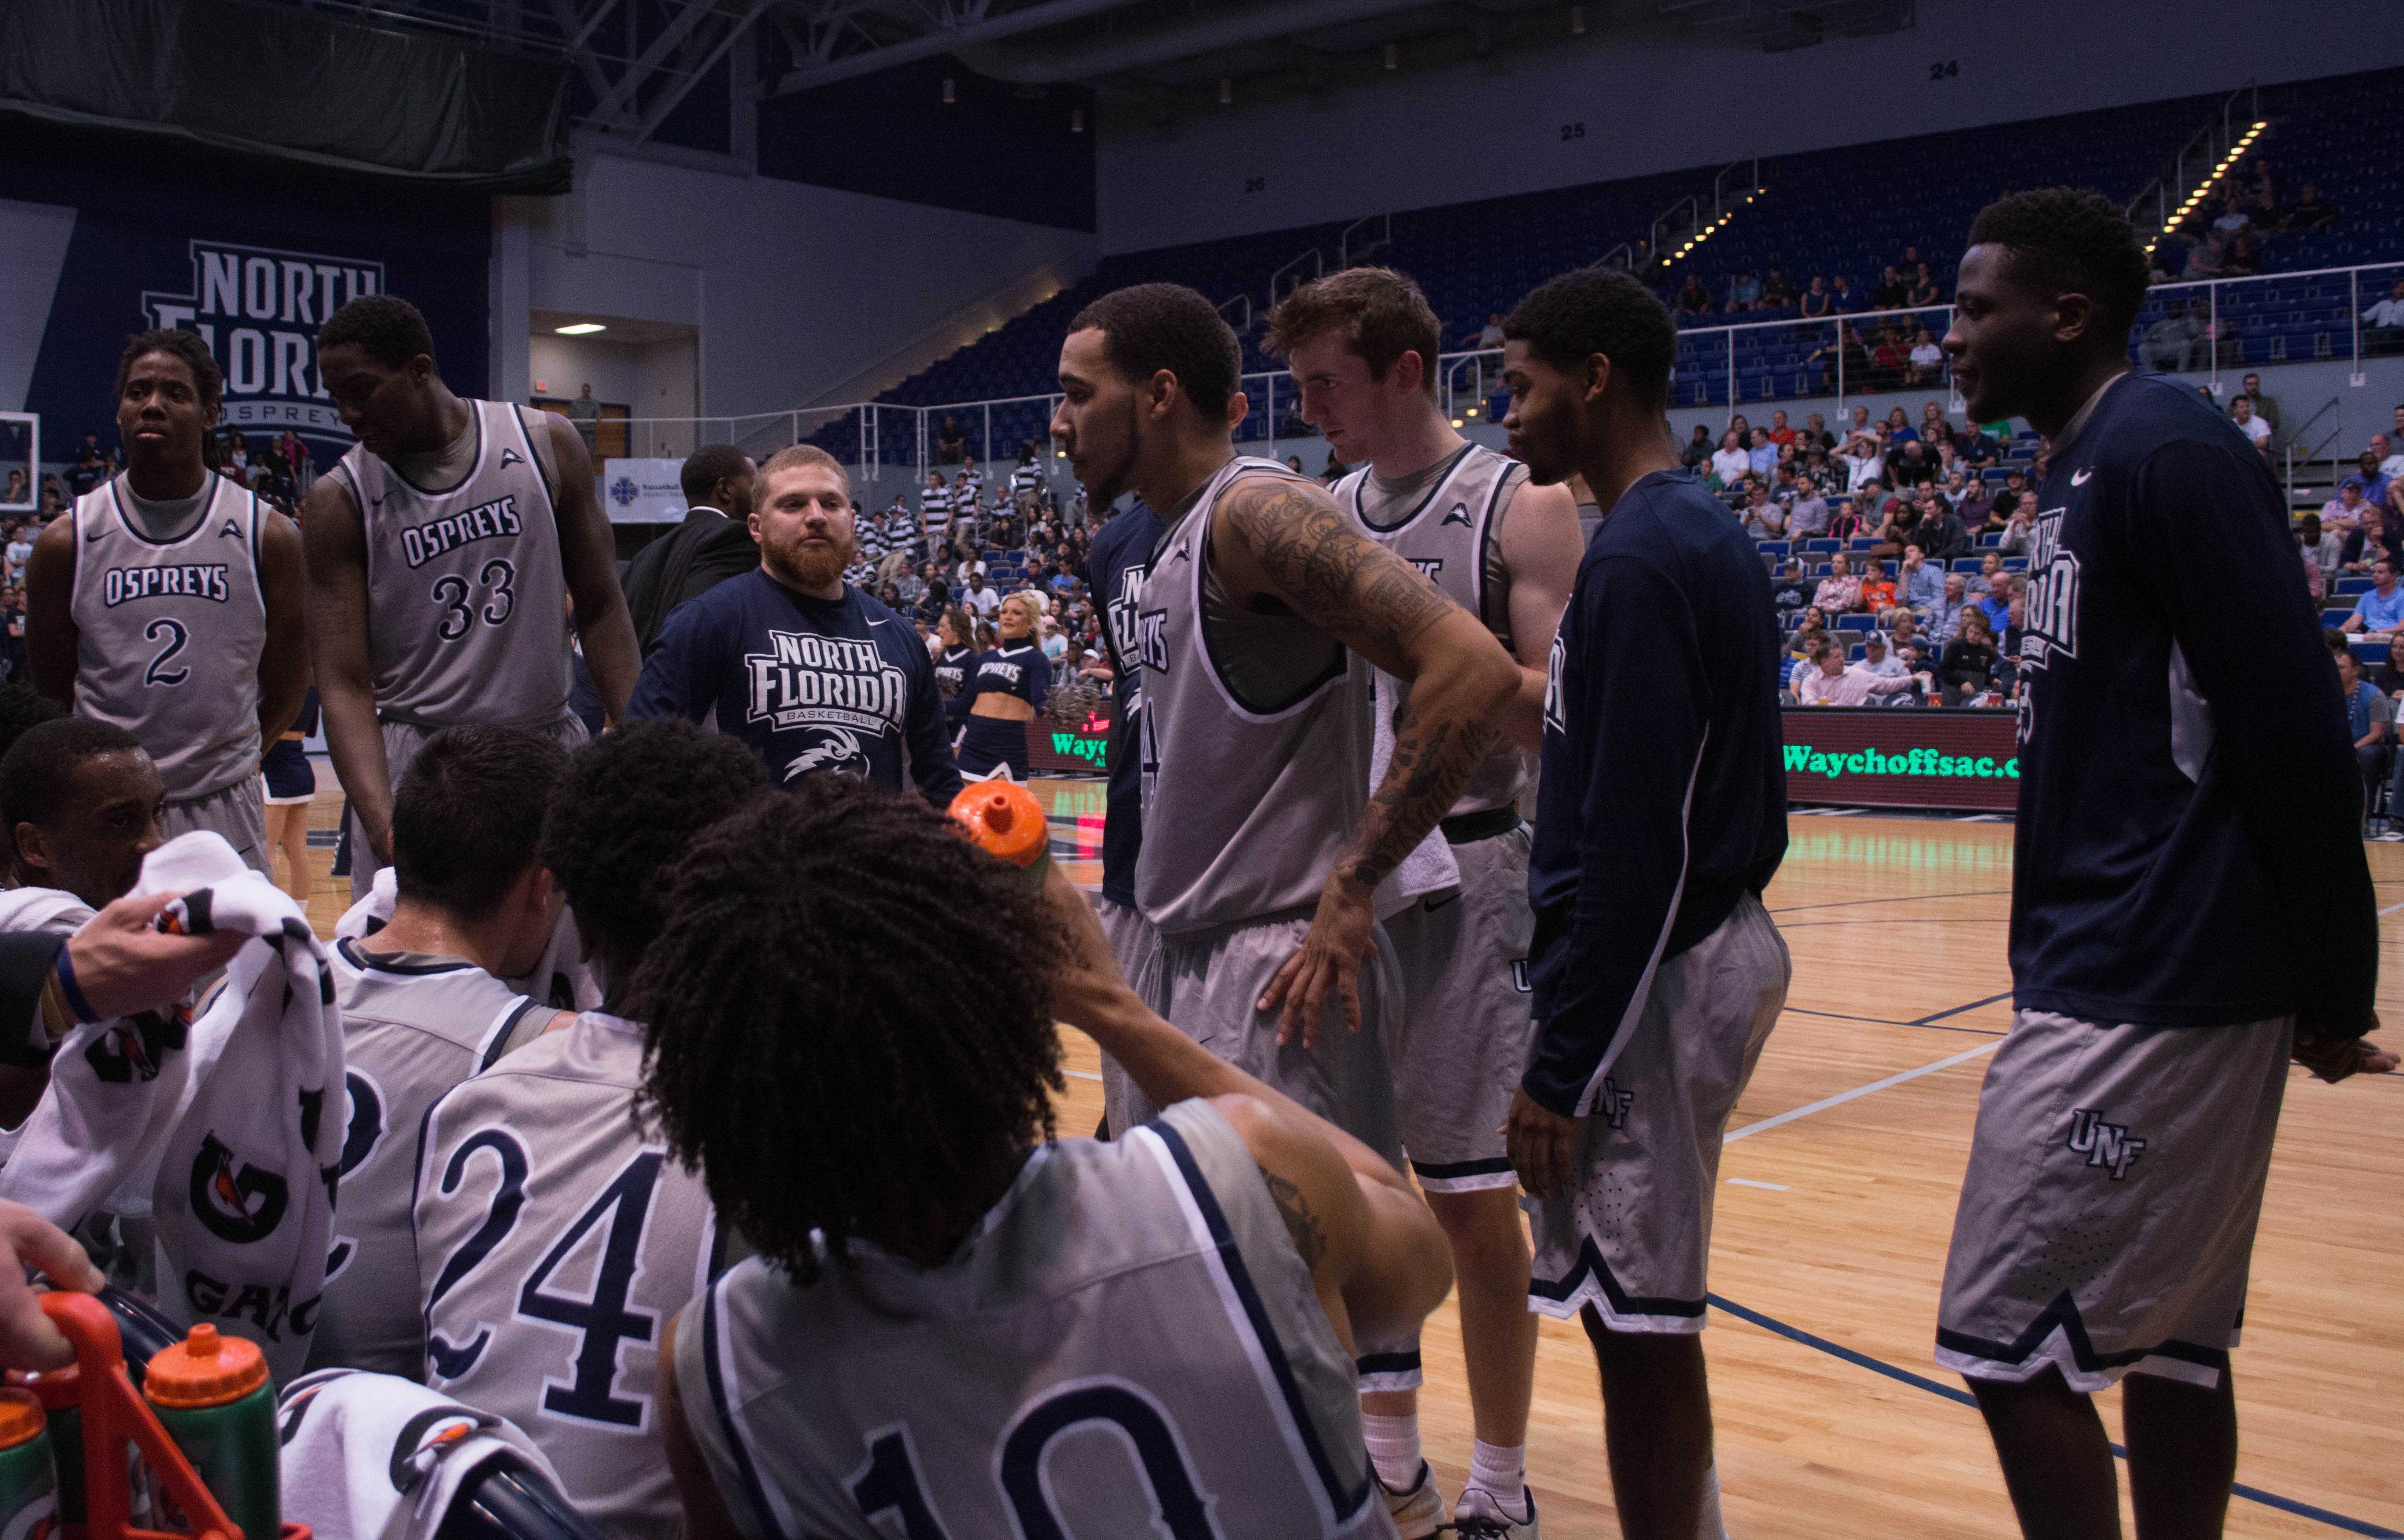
{"x":442,"y":551}
{"x":1264,"y":610}
{"x":169,"y":604}
{"x":424,"y":1008}
{"x":552,"y":1316}
{"x":1362,"y":344}
{"x":997,"y":1332}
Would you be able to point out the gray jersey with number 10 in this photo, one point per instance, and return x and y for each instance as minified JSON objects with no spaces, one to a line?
{"x":1128,"y":1345}
{"x":466,"y":604}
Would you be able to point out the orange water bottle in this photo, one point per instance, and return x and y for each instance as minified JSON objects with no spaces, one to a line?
{"x":1004,"y":820}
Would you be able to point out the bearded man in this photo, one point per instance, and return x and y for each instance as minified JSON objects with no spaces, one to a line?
{"x":807,"y":670}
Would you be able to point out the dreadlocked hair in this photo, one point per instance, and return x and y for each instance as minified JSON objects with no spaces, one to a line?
{"x":820,"y":1042}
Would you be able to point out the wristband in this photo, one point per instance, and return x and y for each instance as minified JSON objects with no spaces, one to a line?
{"x":64,"y":971}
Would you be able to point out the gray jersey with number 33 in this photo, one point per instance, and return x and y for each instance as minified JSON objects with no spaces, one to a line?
{"x":467,"y":606}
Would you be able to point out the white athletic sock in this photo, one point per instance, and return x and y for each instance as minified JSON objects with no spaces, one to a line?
{"x":1501,"y":1472}
{"x":1394,"y":1447}
{"x":1713,"y":1526}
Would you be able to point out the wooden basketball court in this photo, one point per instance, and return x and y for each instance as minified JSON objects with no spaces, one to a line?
{"x":1837,"y":1198}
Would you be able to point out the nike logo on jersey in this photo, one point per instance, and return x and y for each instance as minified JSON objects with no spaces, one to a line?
{"x":94,"y":535}
{"x":2078,"y":477}
{"x":1459,"y":514}
{"x":511,"y":457}
{"x":231,"y":528}
{"x":1435,"y":901}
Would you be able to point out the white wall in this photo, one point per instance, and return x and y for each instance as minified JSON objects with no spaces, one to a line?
{"x":801,"y":294}
{"x":1668,"y":102}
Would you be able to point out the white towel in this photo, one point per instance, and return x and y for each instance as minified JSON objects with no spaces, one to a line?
{"x":564,"y":959}
{"x":1429,"y":867}
{"x":375,"y":1457}
{"x":222,"y":1121}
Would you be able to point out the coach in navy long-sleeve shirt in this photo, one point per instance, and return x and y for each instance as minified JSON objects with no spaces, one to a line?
{"x":1662,"y":801}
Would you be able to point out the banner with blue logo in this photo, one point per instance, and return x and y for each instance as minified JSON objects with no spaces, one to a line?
{"x":105,"y":236}
{"x":643,"y":491}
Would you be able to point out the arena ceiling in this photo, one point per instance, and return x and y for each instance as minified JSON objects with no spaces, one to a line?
{"x":1156,"y":58}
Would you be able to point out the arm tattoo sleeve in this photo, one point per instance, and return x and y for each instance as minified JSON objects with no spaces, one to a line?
{"x":1351,"y":586}
{"x":1300,"y":1223}
{"x":1431,"y":762}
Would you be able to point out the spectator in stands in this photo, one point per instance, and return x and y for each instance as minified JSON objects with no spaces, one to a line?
{"x":1923,"y":290}
{"x":2266,"y":405}
{"x":1944,"y":533}
{"x":1978,"y":509}
{"x":2240,"y":412}
{"x":1830,"y":683}
{"x":1967,"y":666}
{"x":1743,"y":292}
{"x":1777,"y":290}
{"x":1878,"y":659}
{"x":2341,"y":514}
{"x":1878,"y":595}
{"x":1890,"y":293}
{"x":2206,"y":259}
{"x":1694,"y":299}
{"x":2323,"y":546}
{"x":1840,"y":591}
{"x":1791,"y":594}
{"x":1889,"y":361}
{"x":1945,"y":616}
{"x":1490,"y":335}
{"x":1761,"y":455}
{"x":1697,"y":456}
{"x":2378,"y":614}
{"x":2308,"y":542}
{"x":1898,"y":526}
{"x":2310,"y":212}
{"x":1846,"y":523}
{"x":88,"y":470}
{"x":2384,"y":330}
{"x":1842,"y":297}
{"x":1763,"y":519}
{"x":2244,"y":255}
{"x":2374,"y":481}
{"x":1808,"y":515}
{"x":1918,"y":653}
{"x":1907,"y":464}
{"x":1732,"y":462}
{"x":2390,"y":465}
{"x":951,"y":443}
{"x":2375,"y":538}
{"x":1780,"y":434}
{"x":1817,"y":301}
{"x":2175,"y":341}
{"x":2019,"y":533}
{"x":1926,"y":361}
{"x":1798,"y":661}
{"x":2367,"y":714}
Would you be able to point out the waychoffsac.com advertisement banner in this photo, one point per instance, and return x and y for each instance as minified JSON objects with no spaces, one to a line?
{"x":1903,"y":757}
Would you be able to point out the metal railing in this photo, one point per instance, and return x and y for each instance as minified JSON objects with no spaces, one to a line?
{"x":1317,"y":270}
{"x":1345,"y":255}
{"x":883,"y":439}
{"x":2164,"y":202}
{"x":2314,"y":453}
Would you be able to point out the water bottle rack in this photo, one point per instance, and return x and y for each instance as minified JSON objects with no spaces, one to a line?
{"x":114,"y":1415}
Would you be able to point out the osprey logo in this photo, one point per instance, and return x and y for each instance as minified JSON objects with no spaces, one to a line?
{"x":837,"y":749}
{"x":1613,"y":1103}
{"x":1460,"y":514}
{"x":623,"y":490}
{"x":2104,"y":1145}
{"x":240,"y":1206}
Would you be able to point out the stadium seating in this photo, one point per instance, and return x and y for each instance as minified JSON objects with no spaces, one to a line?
{"x":1851,"y":210}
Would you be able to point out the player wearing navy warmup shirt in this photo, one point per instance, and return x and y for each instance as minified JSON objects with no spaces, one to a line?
{"x":1661,"y":814}
{"x":1006,"y":691}
{"x":1115,"y":566}
{"x":809,"y":671}
{"x":2190,"y":903}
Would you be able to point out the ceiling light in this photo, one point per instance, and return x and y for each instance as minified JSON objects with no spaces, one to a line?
{"x":1458,"y":424}
{"x":2261,"y":126}
{"x":1472,"y":412}
{"x":581,"y":328}
{"x":1577,"y":21}
{"x":951,"y":90}
{"x":1393,"y":56}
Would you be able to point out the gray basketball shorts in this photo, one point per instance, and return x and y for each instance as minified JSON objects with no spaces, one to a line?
{"x":238,"y":811}
{"x":401,"y":741}
{"x":1467,"y":1027}
{"x":2107,"y":1214}
{"x":1132,"y":942}
{"x":1205,"y":983}
{"x":1633,"y":1238}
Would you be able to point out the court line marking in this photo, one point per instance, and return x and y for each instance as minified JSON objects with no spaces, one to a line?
{"x":1883,"y":1021}
{"x":1842,"y":1097}
{"x":2392,"y":908}
{"x":1920,"y":1381}
{"x":1900,"y":898}
{"x":1766,"y":1186}
{"x":1934,"y":1017}
{"x":1082,"y":1075}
